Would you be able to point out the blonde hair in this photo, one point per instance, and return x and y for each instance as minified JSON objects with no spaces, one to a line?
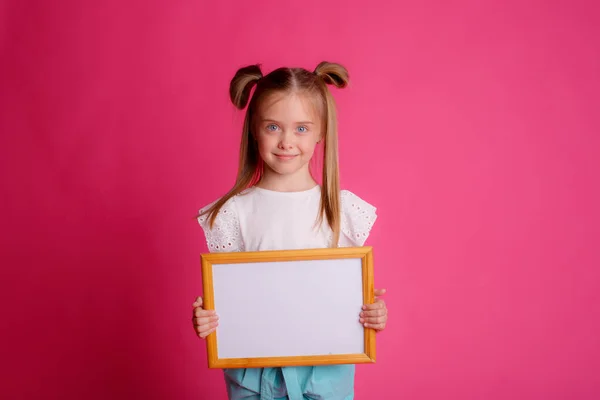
{"x":314,"y":83}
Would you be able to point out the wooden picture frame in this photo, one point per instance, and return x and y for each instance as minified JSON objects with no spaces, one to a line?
{"x":333,"y":284}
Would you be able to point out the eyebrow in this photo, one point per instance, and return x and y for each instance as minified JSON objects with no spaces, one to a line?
{"x":299,"y":122}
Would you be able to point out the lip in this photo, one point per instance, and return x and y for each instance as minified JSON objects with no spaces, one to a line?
{"x":286,"y":156}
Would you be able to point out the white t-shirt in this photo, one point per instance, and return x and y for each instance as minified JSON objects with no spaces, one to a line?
{"x":259,"y":219}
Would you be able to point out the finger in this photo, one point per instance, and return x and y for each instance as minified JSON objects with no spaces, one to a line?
{"x":205,"y":320}
{"x":205,"y":334}
{"x":204,"y":317}
{"x":380,"y":292}
{"x":199,"y":312}
{"x":206,"y":326}
{"x":198,"y":302}
{"x":374,"y":320}
{"x":374,"y":306}
{"x":377,"y":327}
{"x":208,"y":332}
{"x":374,"y":313}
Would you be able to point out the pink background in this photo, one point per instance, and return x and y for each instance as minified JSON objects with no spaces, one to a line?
{"x":473,"y":126}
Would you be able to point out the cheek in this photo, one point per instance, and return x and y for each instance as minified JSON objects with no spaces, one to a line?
{"x":308,"y":146}
{"x":265,"y":142}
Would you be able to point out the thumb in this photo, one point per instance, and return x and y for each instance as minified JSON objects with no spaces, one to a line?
{"x":198,"y":302}
{"x":379,"y":292}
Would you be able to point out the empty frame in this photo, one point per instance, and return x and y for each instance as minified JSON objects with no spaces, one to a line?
{"x":289,"y":308}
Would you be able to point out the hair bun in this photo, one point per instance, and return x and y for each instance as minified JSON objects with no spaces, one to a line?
{"x":242,"y":83}
{"x":333,"y":74}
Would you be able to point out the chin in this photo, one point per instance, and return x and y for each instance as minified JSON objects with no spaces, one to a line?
{"x":285,"y":169}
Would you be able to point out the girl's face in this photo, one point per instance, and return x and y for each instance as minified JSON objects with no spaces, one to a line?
{"x":288,"y":128}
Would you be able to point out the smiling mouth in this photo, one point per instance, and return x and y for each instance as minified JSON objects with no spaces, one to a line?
{"x":286,"y":156}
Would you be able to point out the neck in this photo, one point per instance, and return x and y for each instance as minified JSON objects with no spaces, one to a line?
{"x":299,"y":181}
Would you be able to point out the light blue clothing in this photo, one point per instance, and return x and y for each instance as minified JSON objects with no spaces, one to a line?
{"x":323,"y":382}
{"x":259,"y":220}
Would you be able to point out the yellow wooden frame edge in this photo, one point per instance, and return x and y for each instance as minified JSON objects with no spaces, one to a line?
{"x":364,"y":252}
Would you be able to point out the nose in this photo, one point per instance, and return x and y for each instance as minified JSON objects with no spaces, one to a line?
{"x":286,"y":141}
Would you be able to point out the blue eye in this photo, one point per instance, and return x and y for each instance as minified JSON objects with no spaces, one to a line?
{"x":271,"y":127}
{"x":302,"y":129}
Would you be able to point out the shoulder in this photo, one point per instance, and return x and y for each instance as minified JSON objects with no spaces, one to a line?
{"x":223,"y":235}
{"x":353,"y":203}
{"x":358,"y":217}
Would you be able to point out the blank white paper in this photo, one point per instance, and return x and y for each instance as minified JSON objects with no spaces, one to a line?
{"x":290,"y":308}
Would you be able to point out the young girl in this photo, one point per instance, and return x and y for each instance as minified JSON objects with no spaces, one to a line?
{"x":276,"y":204}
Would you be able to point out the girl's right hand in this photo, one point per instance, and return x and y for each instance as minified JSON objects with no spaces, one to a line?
{"x":205,"y":321}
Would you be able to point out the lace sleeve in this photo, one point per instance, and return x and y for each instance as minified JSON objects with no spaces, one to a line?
{"x":358,"y":218}
{"x":225,"y":234}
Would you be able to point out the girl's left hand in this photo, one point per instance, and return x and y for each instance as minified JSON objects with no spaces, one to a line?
{"x":375,"y":315}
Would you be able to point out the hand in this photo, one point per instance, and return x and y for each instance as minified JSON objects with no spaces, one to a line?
{"x":205,"y":321}
{"x":375,"y":315}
